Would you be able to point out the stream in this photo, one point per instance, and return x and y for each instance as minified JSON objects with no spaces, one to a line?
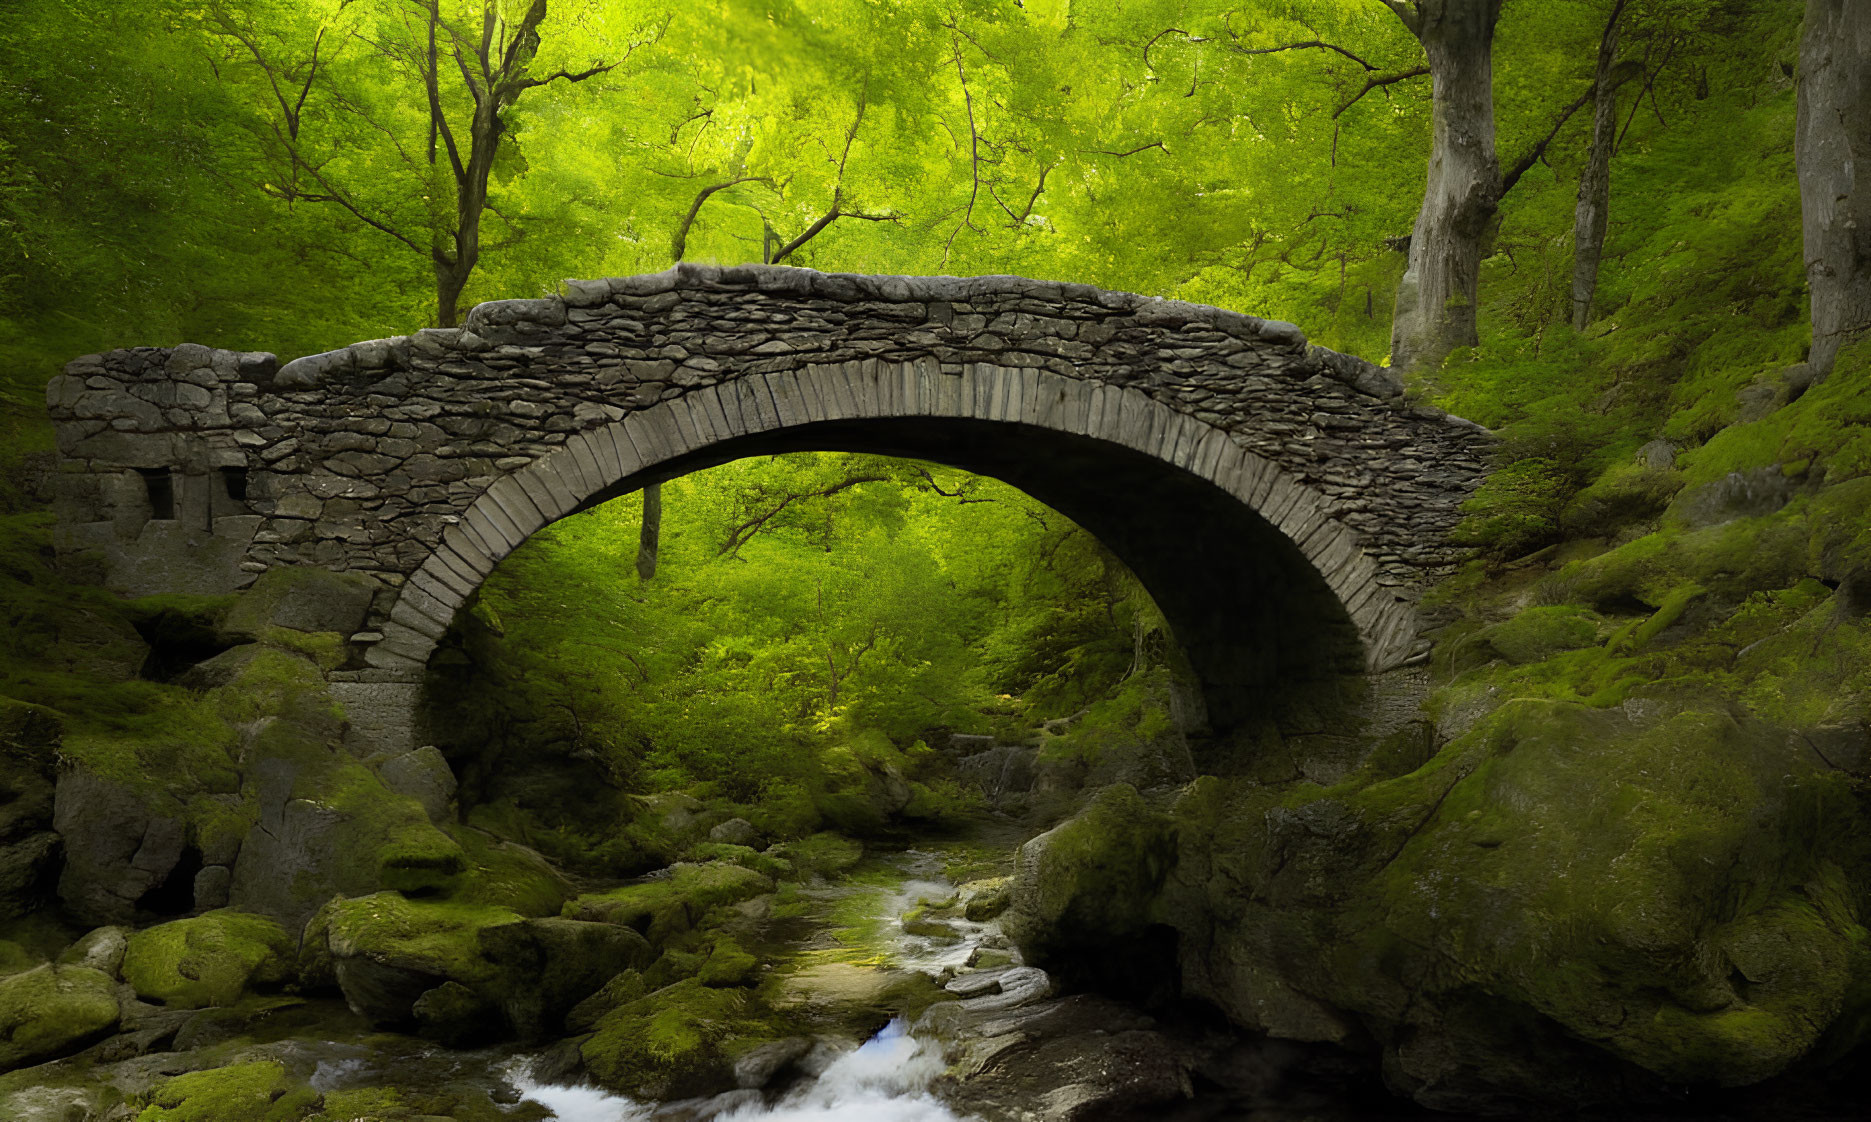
{"x":850,"y":936}
{"x":884,"y":1079}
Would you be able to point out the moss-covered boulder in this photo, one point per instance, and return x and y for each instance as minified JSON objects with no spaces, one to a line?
{"x":1669,"y":884}
{"x":547,"y":966}
{"x":674,"y":903}
{"x":1538,"y":634}
{"x":388,"y":950}
{"x":301,"y":598}
{"x":824,"y":854}
{"x":259,"y":1091}
{"x":680,"y":1041}
{"x":53,"y":1010}
{"x":1086,"y":886}
{"x":208,"y":960}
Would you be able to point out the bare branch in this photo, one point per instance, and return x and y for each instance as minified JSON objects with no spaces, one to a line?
{"x":1379,"y":82}
{"x":679,"y":244}
{"x":1308,"y":45}
{"x":816,"y":228}
{"x":741,"y":534}
{"x":1132,"y":152}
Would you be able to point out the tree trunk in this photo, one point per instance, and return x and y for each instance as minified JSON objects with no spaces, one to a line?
{"x":1834,"y":129}
{"x":1594,"y":209}
{"x":650,"y":536}
{"x":450,"y":280}
{"x":1436,"y":299}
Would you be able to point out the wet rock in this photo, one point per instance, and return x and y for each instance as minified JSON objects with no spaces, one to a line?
{"x":756,"y":1067}
{"x":1074,"y":1059}
{"x":982,"y":900}
{"x":53,"y":1010}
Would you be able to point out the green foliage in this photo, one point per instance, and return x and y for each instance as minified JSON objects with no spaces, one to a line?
{"x":815,"y":621}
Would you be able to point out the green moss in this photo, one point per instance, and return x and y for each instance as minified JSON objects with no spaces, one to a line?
{"x":672,"y":904}
{"x":50,"y":1010}
{"x":729,"y":964}
{"x":505,"y":875}
{"x":679,"y":1041}
{"x":276,"y":682}
{"x":429,"y":936}
{"x":1539,"y":633}
{"x":388,"y":839}
{"x":779,"y":868}
{"x":326,"y":649}
{"x":1671,"y":819}
{"x":1092,"y":878}
{"x":210,"y":959}
{"x":248,"y":1092}
{"x":823,"y":854}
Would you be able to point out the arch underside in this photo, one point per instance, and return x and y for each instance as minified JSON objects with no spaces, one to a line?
{"x":1262,"y":587}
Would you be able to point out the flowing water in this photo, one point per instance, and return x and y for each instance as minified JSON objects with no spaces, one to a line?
{"x":884,"y":1079}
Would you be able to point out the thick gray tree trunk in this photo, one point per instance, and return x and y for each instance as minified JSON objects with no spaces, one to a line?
{"x":1833,"y":134}
{"x":1436,"y":299}
{"x":1594,"y":209}
{"x":650,"y":536}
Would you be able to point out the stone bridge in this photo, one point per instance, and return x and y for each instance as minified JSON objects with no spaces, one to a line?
{"x":1283,"y":503}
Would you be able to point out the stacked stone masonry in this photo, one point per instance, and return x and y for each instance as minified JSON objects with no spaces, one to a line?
{"x":191,"y":469}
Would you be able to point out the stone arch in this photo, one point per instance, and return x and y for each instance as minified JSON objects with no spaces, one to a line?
{"x":1300,"y":570}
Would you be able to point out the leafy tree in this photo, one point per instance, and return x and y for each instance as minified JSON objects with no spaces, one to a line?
{"x":351,"y":87}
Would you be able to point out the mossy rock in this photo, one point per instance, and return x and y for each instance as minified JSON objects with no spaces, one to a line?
{"x":503,"y":874}
{"x":823,"y":854}
{"x":260,"y":1091}
{"x":1092,"y":880}
{"x":729,"y":964}
{"x":982,"y":900}
{"x":625,"y":986}
{"x":210,"y":959}
{"x":52,"y":1010}
{"x":301,"y":598}
{"x":548,"y":965}
{"x":779,"y":868}
{"x":388,"y":950}
{"x":672,"y":904}
{"x":1537,"y":634}
{"x":680,"y":1041}
{"x":439,"y":937}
